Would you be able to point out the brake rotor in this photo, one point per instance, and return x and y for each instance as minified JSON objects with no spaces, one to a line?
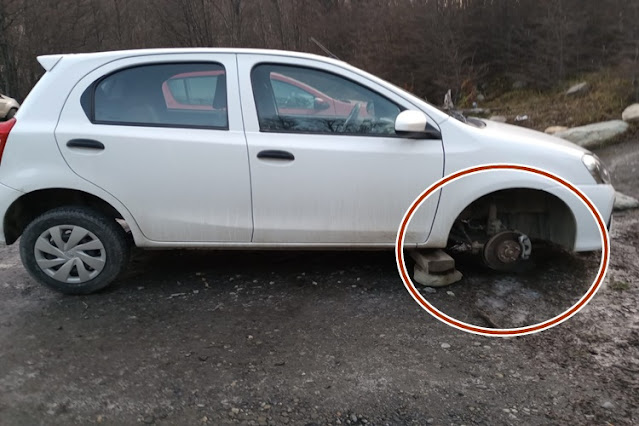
{"x":506,"y":250}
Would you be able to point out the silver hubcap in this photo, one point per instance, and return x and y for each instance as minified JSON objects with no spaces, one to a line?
{"x":70,"y":254}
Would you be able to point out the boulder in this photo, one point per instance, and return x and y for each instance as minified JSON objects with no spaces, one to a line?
{"x":498,"y":118}
{"x":625,"y":202}
{"x":555,"y":129}
{"x":631,"y":114}
{"x":578,"y":89}
{"x":594,"y":135}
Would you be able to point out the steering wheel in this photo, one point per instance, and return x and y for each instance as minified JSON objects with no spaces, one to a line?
{"x":351,"y":117}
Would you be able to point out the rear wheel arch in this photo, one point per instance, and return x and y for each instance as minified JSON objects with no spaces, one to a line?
{"x":33,"y":204}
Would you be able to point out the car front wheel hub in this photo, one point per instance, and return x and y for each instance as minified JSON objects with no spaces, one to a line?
{"x":506,"y":249}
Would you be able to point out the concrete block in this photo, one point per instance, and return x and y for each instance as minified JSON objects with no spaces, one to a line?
{"x":436,"y":280}
{"x":435,"y":261}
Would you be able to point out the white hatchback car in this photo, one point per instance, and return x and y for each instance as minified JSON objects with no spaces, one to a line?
{"x":258,"y":149}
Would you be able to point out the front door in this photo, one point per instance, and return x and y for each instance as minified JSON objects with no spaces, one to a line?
{"x":330,"y":169}
{"x":164,"y":136}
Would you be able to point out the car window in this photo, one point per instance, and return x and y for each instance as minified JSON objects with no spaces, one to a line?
{"x":289,"y":96}
{"x":165,"y":95}
{"x":306,"y":100}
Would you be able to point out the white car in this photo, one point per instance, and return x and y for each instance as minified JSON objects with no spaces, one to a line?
{"x":8,"y":107}
{"x":260,"y":149}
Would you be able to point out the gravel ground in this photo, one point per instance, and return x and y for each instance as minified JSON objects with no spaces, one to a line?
{"x":194,"y":337}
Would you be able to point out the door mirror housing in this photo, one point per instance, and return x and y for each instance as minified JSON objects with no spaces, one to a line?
{"x":412,"y":124}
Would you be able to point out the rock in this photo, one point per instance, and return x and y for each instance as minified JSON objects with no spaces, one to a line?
{"x":429,"y":290}
{"x":353,"y":418}
{"x":498,"y":118}
{"x":450,"y":293}
{"x":555,"y":129}
{"x":445,"y":346}
{"x":481,"y":98}
{"x":625,"y":202}
{"x":631,"y":114}
{"x":608,"y":405}
{"x":594,"y":135}
{"x":578,"y":89}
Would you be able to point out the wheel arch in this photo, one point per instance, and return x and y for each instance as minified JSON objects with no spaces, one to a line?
{"x":459,"y":195}
{"x":34,"y":203}
{"x":535,"y":212}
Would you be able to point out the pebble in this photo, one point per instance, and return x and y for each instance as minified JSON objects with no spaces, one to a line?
{"x":608,"y":405}
{"x":429,"y":290}
{"x":445,"y":346}
{"x":353,"y":418}
{"x":450,"y":293}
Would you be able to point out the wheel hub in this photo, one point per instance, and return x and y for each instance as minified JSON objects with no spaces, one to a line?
{"x":70,"y":254}
{"x":506,"y":249}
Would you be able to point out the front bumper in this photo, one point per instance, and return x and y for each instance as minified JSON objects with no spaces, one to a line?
{"x":7,"y":197}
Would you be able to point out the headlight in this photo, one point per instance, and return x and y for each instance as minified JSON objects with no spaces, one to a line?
{"x":596,"y":168}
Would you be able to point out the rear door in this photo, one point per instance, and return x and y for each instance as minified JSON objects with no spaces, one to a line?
{"x":163,"y":134}
{"x":331,"y":176}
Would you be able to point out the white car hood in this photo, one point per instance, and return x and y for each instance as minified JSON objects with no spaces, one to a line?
{"x":515,"y":134}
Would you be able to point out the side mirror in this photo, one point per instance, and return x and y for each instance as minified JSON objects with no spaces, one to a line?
{"x":321,"y":104}
{"x":411,"y":124}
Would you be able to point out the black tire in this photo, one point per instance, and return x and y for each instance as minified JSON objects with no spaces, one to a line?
{"x":11,"y":113}
{"x":108,"y":232}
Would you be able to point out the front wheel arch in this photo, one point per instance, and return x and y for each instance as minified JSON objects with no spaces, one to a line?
{"x":535,"y":212}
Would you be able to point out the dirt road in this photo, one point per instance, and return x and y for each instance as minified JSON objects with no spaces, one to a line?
{"x":323,"y":338}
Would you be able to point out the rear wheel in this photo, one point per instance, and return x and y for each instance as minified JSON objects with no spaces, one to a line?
{"x":11,"y":113}
{"x":74,"y":250}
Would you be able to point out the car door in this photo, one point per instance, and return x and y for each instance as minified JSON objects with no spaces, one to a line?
{"x":164,"y":135}
{"x":328,"y":177}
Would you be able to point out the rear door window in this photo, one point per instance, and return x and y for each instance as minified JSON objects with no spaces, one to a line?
{"x":162,"y":95}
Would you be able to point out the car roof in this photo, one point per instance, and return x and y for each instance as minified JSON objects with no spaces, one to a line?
{"x":49,"y":61}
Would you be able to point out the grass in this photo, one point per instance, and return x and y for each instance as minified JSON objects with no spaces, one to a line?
{"x":609,"y":94}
